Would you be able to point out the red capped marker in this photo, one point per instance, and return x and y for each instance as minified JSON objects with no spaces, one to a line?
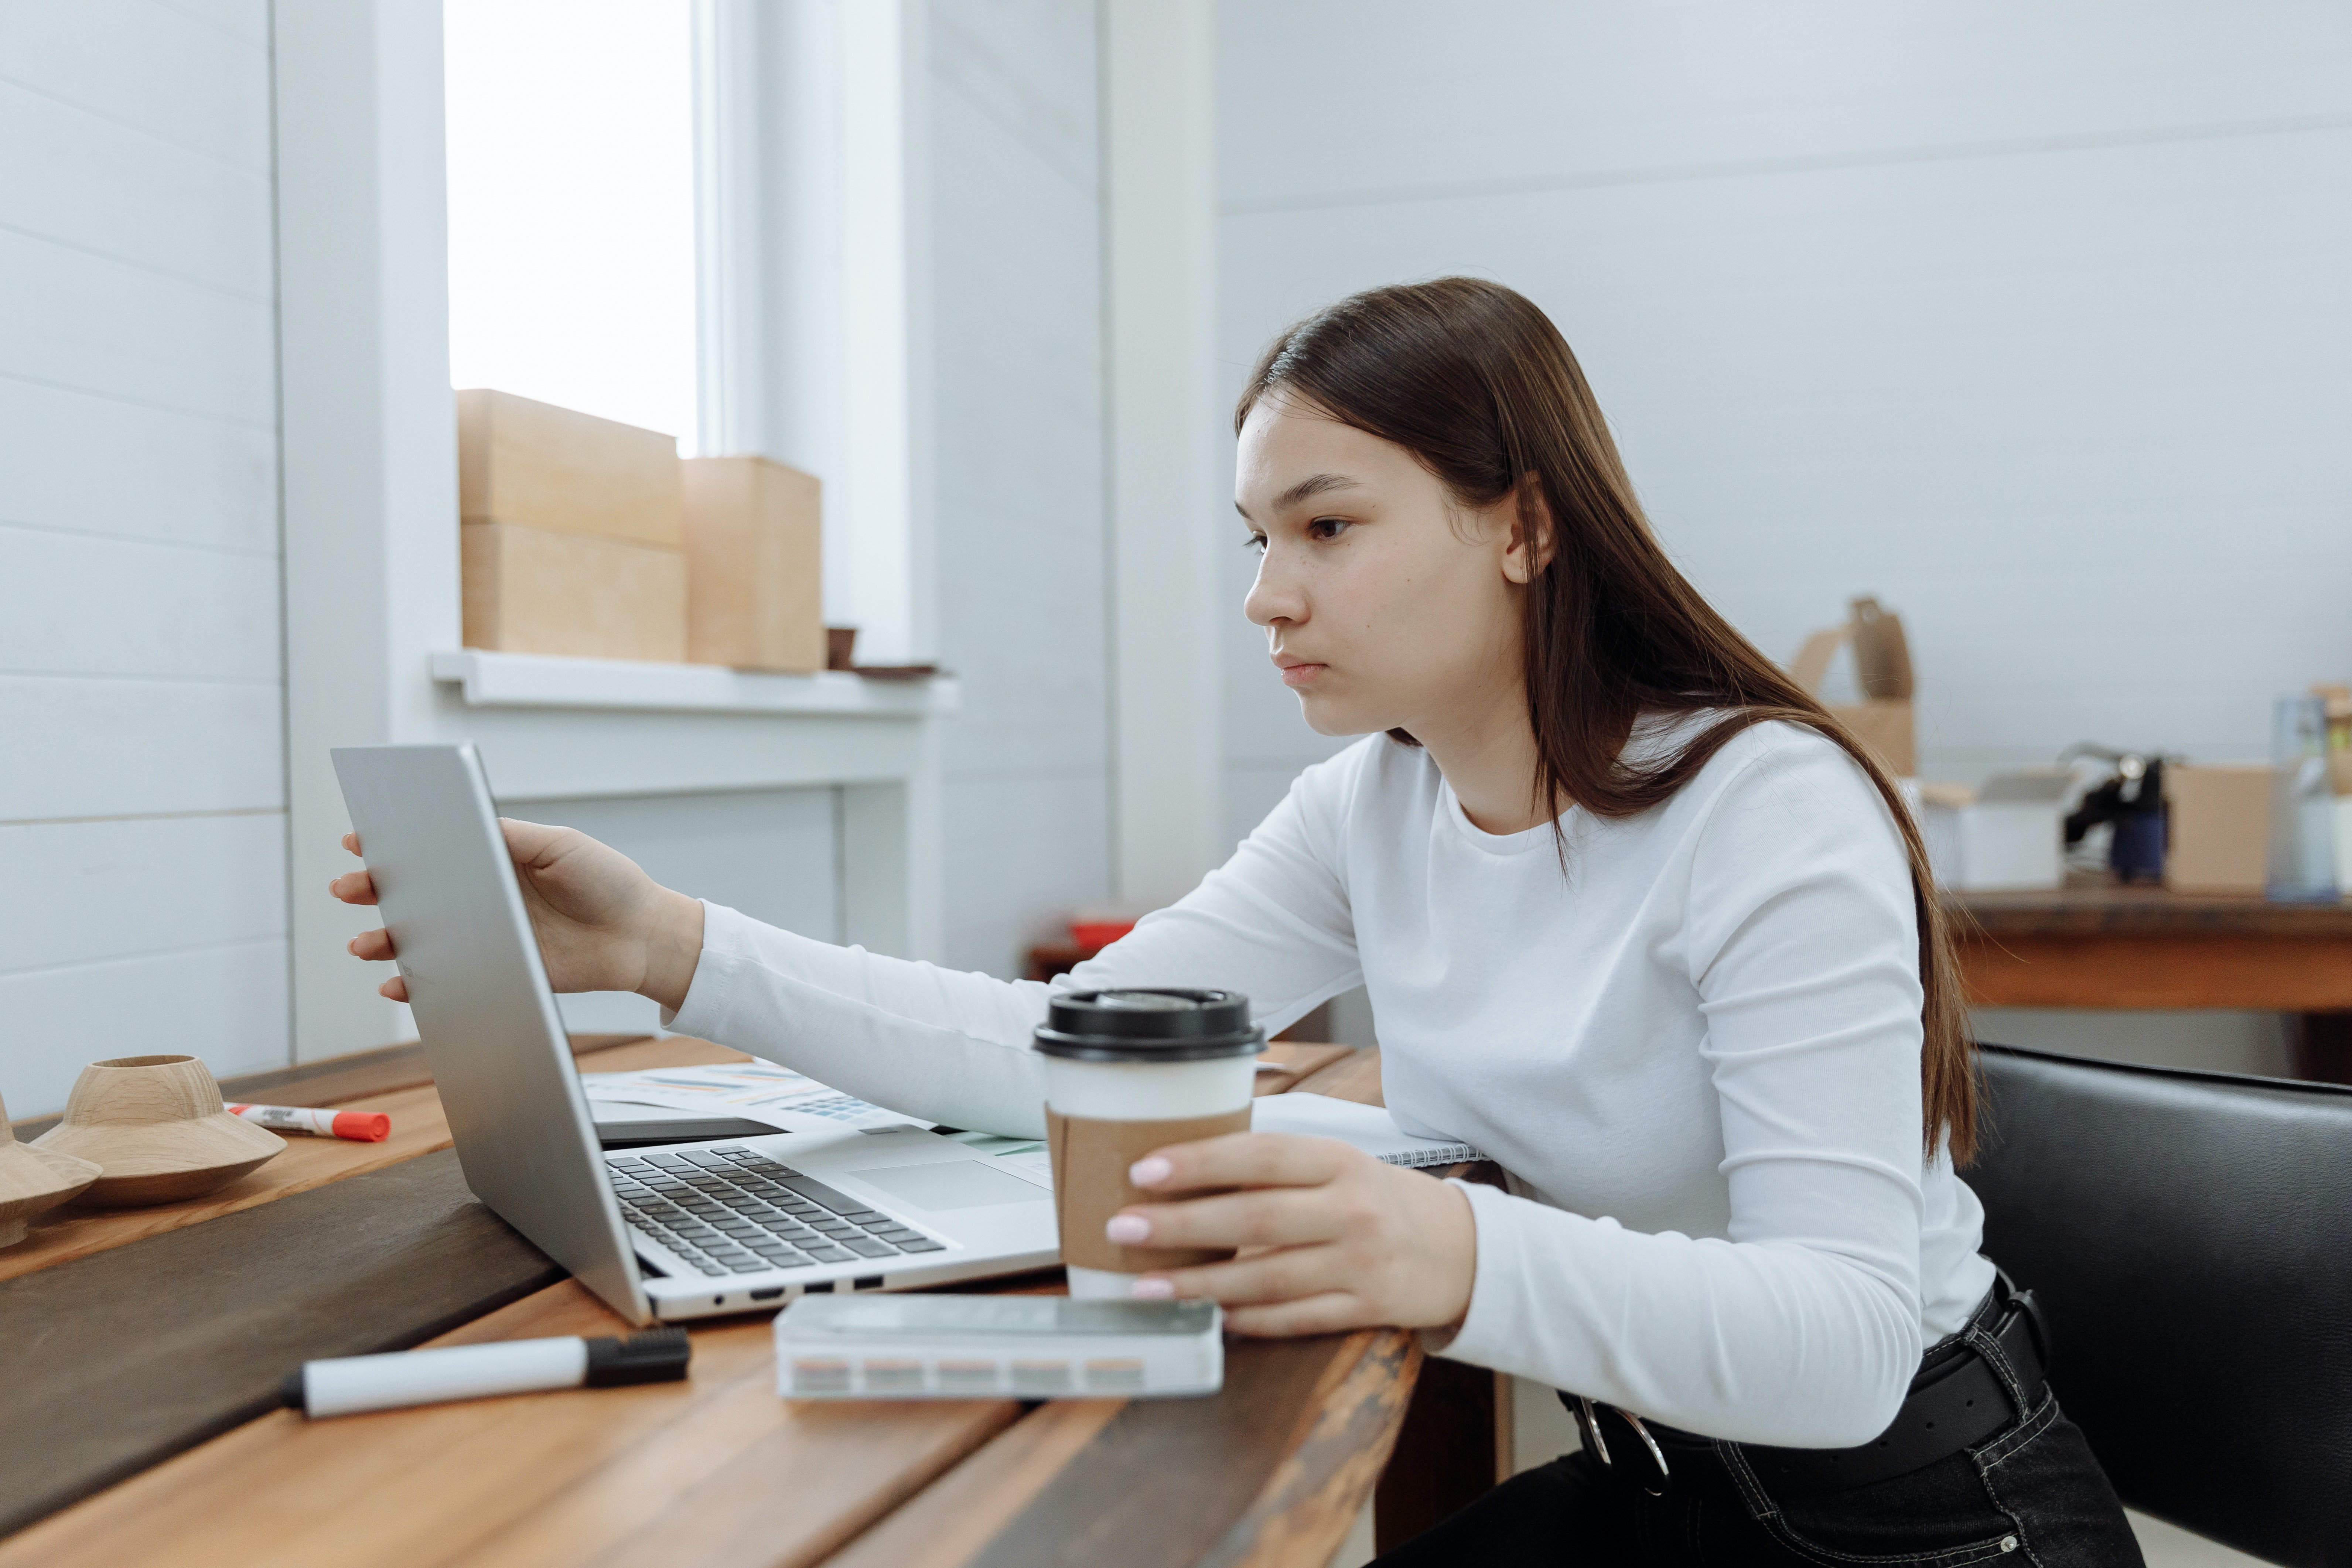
{"x":359,"y":1126}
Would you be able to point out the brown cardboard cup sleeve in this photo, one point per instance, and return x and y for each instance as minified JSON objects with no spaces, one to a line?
{"x":1090,"y":1161}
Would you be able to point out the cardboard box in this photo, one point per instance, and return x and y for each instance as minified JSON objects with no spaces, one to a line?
{"x":1887,"y":728}
{"x":754,"y":564}
{"x":1882,"y":721}
{"x":2218,"y":828}
{"x":535,"y":590}
{"x":563,"y":471}
{"x":2008,"y":837}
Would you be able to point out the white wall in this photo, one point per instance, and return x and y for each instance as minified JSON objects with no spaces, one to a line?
{"x":2029,"y":319}
{"x":1015,"y":231}
{"x":142,"y":854}
{"x":1168,"y":469}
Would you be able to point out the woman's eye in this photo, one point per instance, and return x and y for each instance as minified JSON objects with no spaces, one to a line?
{"x":1326,"y":528}
{"x":1254,"y":542}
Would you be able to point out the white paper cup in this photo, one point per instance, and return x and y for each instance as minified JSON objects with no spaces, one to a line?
{"x":1128,"y":1072}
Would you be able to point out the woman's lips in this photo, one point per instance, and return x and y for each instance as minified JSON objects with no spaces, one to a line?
{"x":1295,"y":674}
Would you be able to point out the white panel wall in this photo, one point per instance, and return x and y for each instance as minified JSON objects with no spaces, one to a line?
{"x":2031,"y":318}
{"x":1016,"y":227}
{"x":142,"y":856}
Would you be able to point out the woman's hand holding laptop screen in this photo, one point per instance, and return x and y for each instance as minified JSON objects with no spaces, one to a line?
{"x":601,"y":923}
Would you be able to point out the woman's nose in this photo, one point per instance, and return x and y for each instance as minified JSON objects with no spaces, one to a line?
{"x":1273,"y":596}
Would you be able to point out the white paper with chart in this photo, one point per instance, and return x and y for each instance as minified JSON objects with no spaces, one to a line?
{"x":757,"y":1090}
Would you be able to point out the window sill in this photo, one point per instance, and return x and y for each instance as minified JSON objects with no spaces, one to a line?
{"x":487,"y":679}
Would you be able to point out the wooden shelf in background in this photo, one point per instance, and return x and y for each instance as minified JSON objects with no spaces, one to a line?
{"x":2095,"y":905}
{"x":2094,"y":944}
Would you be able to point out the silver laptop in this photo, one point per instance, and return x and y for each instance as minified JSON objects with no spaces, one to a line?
{"x":666,"y":1231}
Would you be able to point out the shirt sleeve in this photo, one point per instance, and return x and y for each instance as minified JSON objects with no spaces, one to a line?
{"x":954,"y":1046}
{"x":1802,"y":1327}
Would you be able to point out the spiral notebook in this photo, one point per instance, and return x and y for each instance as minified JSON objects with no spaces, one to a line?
{"x":1368,"y":1127}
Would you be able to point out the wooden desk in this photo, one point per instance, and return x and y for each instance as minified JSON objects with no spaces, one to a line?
{"x":718,"y":1469}
{"x":2096,"y":944}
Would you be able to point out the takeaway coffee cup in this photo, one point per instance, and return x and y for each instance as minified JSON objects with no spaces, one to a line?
{"x":1128,"y":1072}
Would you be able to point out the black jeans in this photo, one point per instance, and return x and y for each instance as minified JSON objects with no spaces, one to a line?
{"x":2032,"y":1493}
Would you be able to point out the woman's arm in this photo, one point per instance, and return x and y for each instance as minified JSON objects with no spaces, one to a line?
{"x":1273,"y":922}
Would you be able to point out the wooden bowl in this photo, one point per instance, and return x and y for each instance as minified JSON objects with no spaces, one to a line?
{"x":158,"y":1130}
{"x":32,"y":1180}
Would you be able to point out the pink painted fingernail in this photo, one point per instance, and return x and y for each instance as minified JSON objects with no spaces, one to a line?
{"x":1127,"y":1229}
{"x":1149,"y":1289}
{"x":1150,"y":1171}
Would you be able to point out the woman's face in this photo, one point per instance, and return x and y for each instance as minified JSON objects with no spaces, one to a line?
{"x":1385,"y":606}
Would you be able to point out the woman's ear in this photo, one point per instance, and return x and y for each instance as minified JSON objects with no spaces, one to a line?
{"x":1533,"y":539}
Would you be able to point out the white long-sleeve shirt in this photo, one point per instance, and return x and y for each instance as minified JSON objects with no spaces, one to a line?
{"x":1696,"y":1052}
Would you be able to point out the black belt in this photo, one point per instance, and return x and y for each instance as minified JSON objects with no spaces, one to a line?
{"x":1952,"y":1407}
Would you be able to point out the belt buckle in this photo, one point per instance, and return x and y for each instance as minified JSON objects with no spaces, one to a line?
{"x":1588,"y":1427}
{"x":2037,"y":1325}
{"x":2012,"y":1298}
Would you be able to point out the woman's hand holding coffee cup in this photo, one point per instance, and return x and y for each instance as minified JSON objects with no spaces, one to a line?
{"x":1331,"y":1238}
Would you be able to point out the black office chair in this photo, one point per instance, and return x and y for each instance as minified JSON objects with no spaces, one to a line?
{"x":2189,"y":1236}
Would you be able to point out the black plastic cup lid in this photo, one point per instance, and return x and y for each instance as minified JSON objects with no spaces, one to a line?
{"x":1150,"y":1025}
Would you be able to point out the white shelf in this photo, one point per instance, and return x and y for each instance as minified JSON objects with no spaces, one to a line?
{"x":554,"y":729}
{"x":536,"y":680}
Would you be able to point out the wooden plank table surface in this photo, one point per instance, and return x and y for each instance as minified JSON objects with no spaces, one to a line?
{"x":418,"y":1128}
{"x":719,"y":1470}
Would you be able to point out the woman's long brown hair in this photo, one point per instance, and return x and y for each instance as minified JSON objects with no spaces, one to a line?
{"x":1477,"y":382}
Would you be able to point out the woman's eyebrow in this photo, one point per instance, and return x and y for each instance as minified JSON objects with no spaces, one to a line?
{"x":1313,"y":485}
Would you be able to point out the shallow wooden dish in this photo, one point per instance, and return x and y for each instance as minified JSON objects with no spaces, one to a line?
{"x":158,"y":1130}
{"x":32,"y":1180}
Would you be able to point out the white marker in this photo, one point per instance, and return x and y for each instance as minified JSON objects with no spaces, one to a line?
{"x":360,"y":1126}
{"x":349,"y":1384}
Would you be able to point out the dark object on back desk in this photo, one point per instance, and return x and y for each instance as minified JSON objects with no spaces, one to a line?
{"x":2132,"y":802}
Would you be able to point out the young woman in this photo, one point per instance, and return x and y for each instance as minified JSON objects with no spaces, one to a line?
{"x":1637,"y":918}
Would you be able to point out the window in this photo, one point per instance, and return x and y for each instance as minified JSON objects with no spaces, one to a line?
{"x":572,"y":217}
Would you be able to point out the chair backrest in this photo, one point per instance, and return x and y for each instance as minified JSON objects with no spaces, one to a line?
{"x":2190,"y":1237}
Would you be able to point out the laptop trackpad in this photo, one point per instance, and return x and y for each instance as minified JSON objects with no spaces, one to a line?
{"x":953,"y":1185}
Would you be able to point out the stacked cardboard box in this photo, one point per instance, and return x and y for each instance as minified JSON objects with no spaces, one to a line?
{"x":573,"y":533}
{"x":754,"y":586}
{"x":2217,"y":828}
{"x":1883,"y":719}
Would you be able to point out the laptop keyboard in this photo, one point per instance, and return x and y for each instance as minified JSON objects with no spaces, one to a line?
{"x":731,"y":1210}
